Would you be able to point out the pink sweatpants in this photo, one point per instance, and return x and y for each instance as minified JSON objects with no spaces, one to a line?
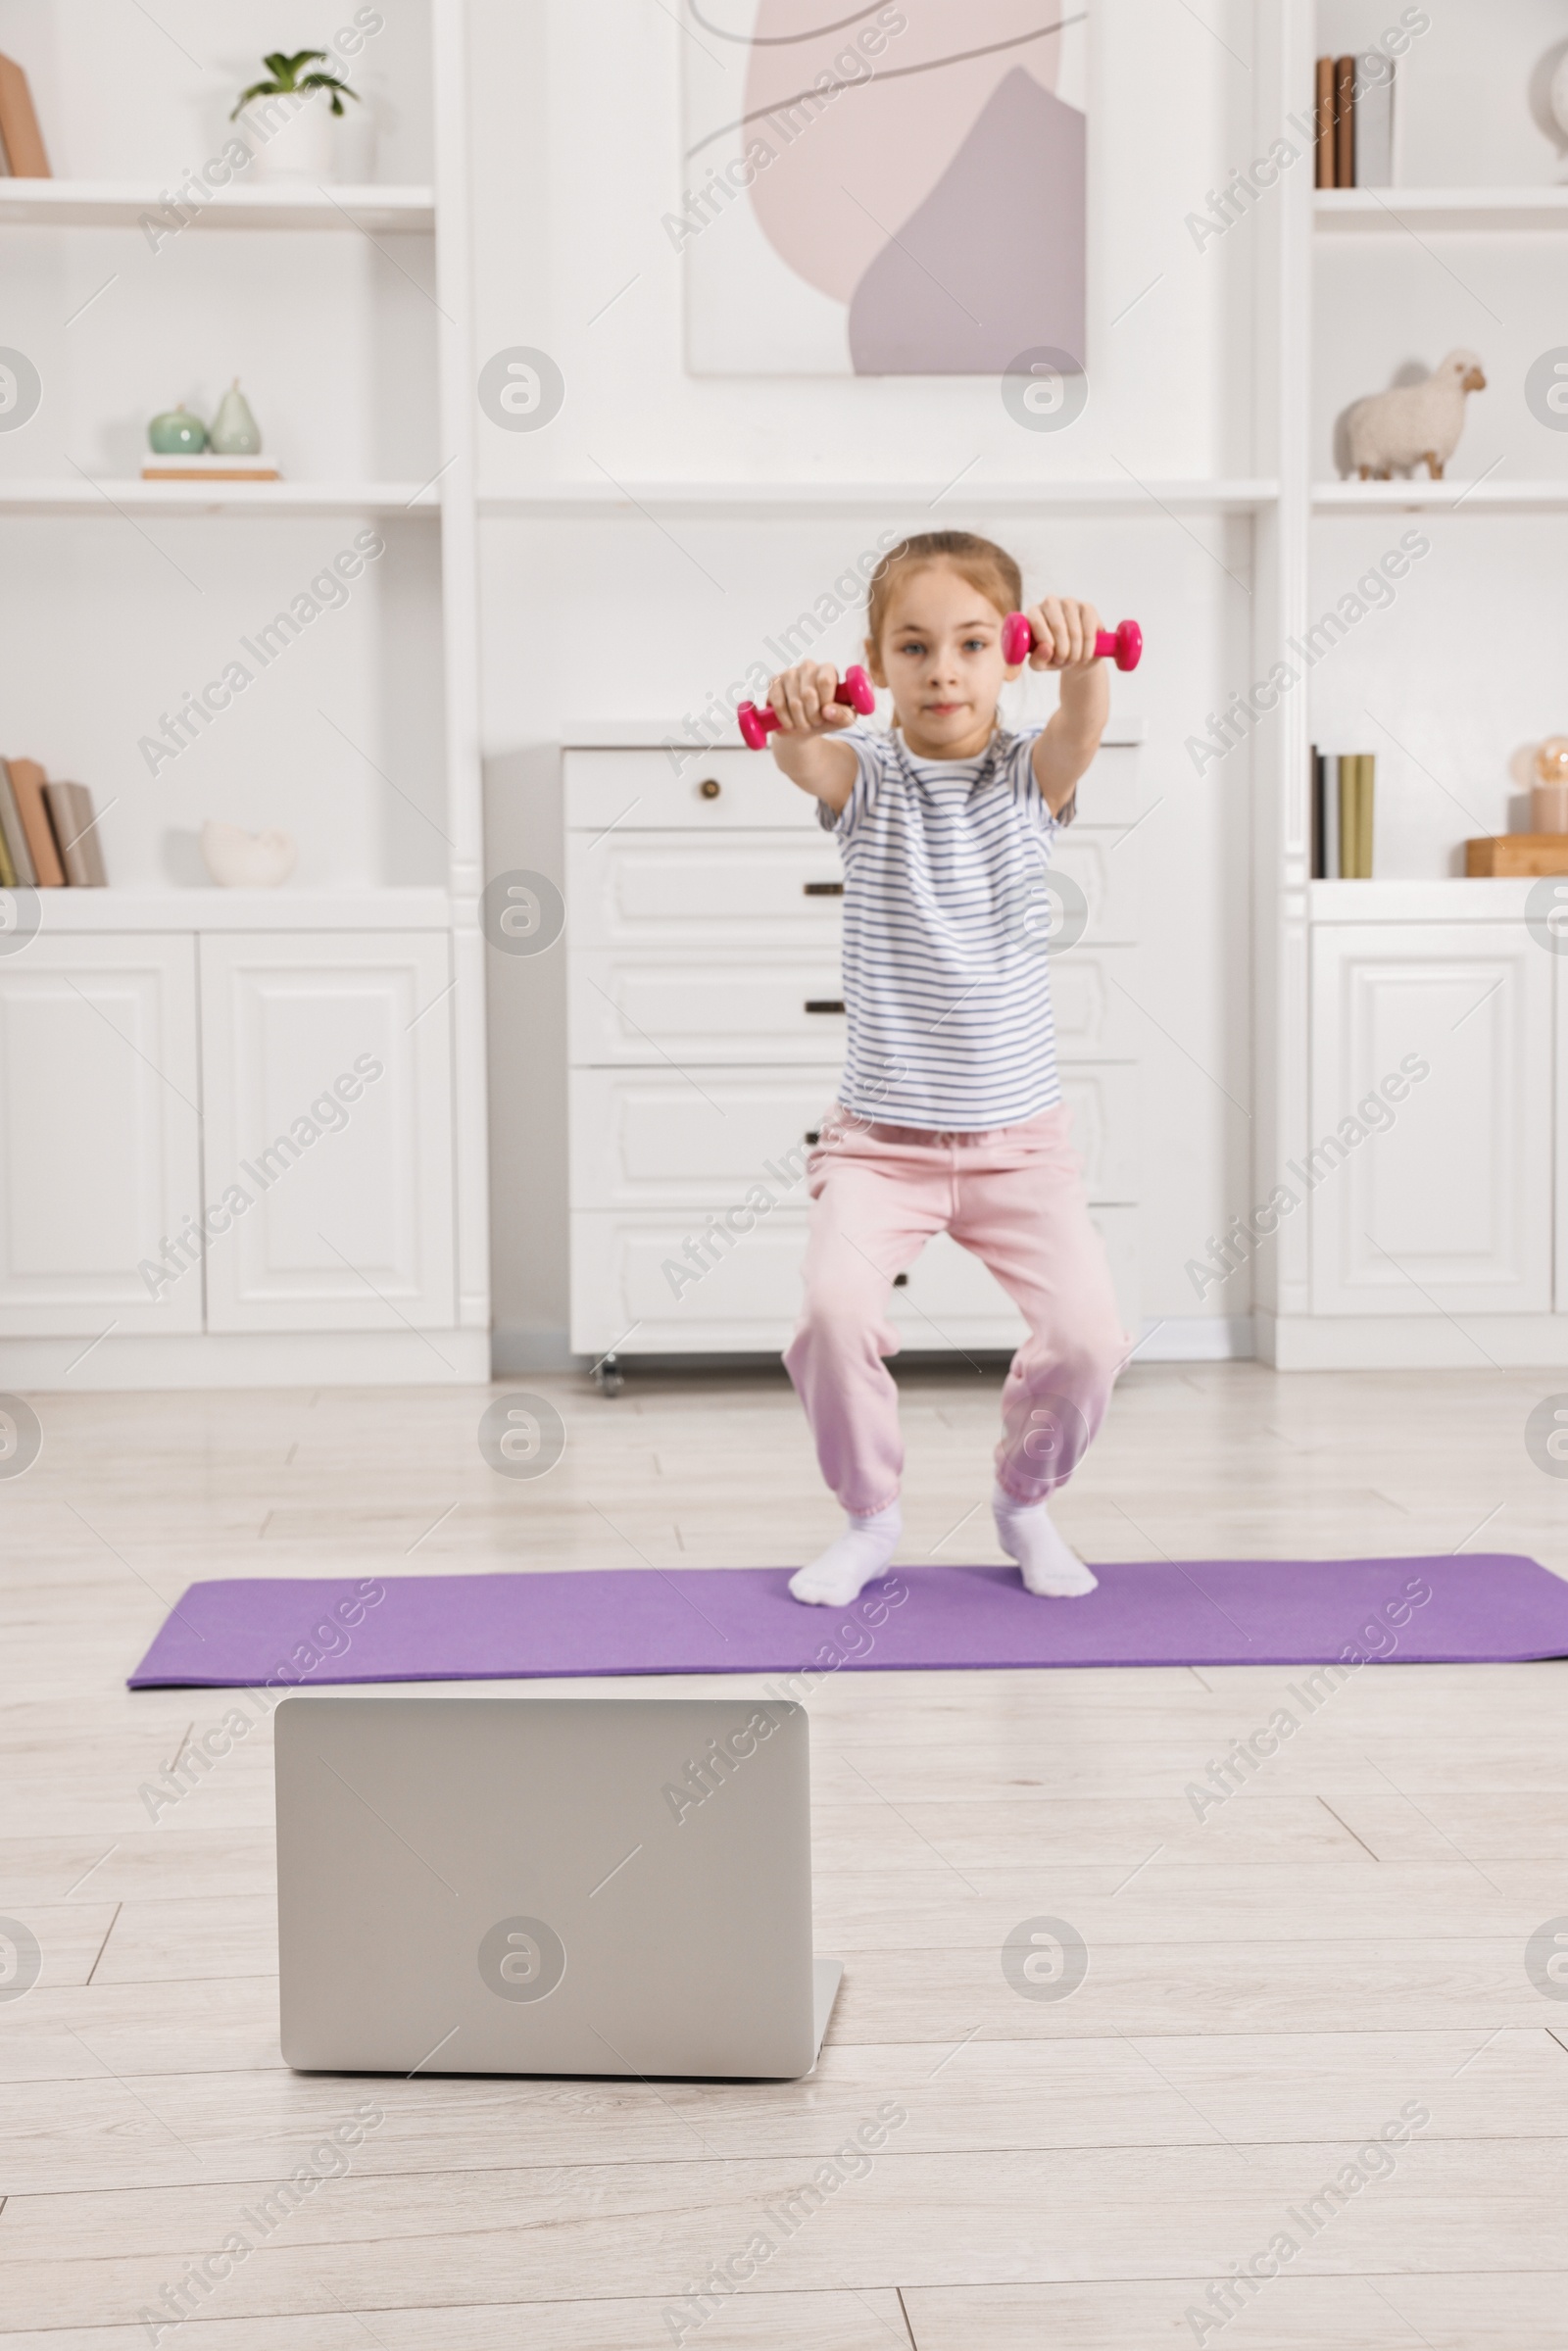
{"x":1015,"y":1198}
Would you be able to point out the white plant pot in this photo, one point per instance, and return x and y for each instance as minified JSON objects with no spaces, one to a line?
{"x":291,"y":138}
{"x":240,"y":860}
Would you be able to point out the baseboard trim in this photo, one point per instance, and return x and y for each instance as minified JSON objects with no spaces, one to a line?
{"x":249,"y":1359}
{"x":1178,"y":1339}
{"x":1412,"y":1342}
{"x":1196,"y":1338}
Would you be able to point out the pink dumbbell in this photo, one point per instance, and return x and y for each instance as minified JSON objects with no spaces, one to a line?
{"x":1124,"y":644}
{"x":757,"y":724}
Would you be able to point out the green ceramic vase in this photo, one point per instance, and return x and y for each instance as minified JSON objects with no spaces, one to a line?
{"x":235,"y":430}
{"x":177,"y":433}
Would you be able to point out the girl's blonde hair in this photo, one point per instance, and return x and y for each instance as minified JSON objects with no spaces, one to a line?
{"x":987,"y":567}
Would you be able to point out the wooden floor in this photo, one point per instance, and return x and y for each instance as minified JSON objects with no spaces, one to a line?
{"x":1341,"y":1943}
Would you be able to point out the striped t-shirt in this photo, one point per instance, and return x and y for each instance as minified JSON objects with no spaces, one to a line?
{"x":946,"y":919}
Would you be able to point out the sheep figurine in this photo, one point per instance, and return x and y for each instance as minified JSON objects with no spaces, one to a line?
{"x":1413,"y":421}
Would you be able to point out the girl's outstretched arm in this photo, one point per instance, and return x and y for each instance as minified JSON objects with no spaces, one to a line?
{"x":808,"y":716}
{"x":1064,"y":641}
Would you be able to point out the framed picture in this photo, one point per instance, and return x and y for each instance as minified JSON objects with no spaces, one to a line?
{"x":894,"y":189}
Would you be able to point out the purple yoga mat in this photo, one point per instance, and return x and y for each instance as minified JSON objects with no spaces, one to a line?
{"x":1487,"y":1607}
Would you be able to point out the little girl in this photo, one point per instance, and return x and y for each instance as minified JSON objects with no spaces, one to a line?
{"x":949,"y":1117}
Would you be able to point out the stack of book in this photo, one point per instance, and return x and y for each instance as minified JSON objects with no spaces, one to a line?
{"x":1342,"y":815}
{"x":48,"y":832}
{"x":1355,"y":113}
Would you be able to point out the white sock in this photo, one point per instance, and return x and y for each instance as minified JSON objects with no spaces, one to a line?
{"x":1051,"y":1569}
{"x":851,"y":1560}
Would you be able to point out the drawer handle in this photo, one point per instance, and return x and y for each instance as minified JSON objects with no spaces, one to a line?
{"x":901,"y":1281}
{"x":812,"y":1135}
{"x":824,"y":1004}
{"x":822,"y":889}
{"x":709,"y":787}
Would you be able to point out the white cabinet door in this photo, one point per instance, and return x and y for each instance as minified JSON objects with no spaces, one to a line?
{"x":99,"y":1137}
{"x":327,"y":1072}
{"x":1439,"y":1201}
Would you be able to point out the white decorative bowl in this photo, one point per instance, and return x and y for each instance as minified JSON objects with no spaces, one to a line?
{"x":242,"y":860}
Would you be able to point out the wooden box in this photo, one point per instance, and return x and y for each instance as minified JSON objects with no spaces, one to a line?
{"x":1518,"y":853}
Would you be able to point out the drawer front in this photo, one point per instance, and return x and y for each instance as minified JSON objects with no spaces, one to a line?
{"x":629,"y":889}
{"x":1110,"y":793}
{"x":656,"y":1008}
{"x":646,"y":1138}
{"x":1106,"y":873}
{"x":1095,"y":1017}
{"x":632,"y":1288}
{"x":660,"y":791}
{"x":652,"y":1136}
{"x":660,"y":1004}
{"x":1103,"y":1103}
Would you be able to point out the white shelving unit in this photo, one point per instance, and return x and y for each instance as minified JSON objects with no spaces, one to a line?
{"x":1440,"y":1235}
{"x":582,"y":501}
{"x":126,"y":204}
{"x":88,"y":496}
{"x":1499,"y":495}
{"x":203,"y":1022}
{"x":1385,"y":212}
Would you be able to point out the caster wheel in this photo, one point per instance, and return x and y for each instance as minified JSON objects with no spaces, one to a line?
{"x":608,"y":1377}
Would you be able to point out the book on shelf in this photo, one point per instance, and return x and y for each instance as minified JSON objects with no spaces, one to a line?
{"x":16,"y":851}
{"x":1323,"y":117}
{"x":1355,"y":815}
{"x":1325,"y":816}
{"x":1374,"y":121}
{"x":1354,"y":108}
{"x":210,"y":465}
{"x":27,"y":783}
{"x":1345,"y":122}
{"x":1342,"y":815}
{"x":22,"y":150}
{"x":77,"y":831}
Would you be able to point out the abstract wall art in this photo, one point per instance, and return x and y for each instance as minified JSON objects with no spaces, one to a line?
{"x":892,"y":189}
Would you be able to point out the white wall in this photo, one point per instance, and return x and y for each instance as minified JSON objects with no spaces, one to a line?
{"x":576,"y":158}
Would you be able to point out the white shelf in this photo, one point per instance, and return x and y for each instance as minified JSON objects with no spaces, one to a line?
{"x":1493,"y":495}
{"x":1386,"y":211}
{"x":74,"y":912}
{"x":120,"y":204}
{"x":1484,"y":898}
{"x":572,"y":501}
{"x":103,"y":495}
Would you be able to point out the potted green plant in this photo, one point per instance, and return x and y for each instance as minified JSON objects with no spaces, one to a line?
{"x":287,"y":118}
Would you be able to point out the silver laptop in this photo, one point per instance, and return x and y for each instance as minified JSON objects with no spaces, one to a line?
{"x":518,"y":1884}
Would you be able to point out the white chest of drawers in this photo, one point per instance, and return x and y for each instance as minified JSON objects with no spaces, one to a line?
{"x":705,"y":1038}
